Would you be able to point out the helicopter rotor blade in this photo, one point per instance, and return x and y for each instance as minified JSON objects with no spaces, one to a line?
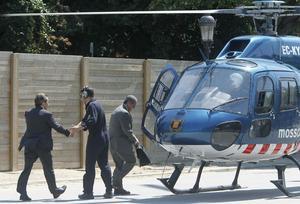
{"x":242,"y":11}
{"x":290,"y":7}
{"x":161,"y":12}
{"x":291,"y":10}
{"x":289,"y":14}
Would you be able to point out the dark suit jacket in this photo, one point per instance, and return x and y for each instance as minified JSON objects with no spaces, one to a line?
{"x":38,"y":134}
{"x":94,"y":121}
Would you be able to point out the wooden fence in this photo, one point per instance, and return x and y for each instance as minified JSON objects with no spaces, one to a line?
{"x":61,"y":77}
{"x":4,"y":111}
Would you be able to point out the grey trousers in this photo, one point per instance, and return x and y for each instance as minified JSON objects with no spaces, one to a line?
{"x":124,"y":162}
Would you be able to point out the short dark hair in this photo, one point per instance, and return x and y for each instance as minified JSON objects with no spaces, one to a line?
{"x":87,"y":92}
{"x":130,"y":98}
{"x":40,"y":98}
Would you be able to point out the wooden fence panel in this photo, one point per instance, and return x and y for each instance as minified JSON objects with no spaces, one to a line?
{"x":59,"y":77}
{"x":4,"y":110}
{"x":113,"y":79}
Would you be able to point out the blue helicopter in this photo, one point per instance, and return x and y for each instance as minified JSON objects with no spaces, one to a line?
{"x":242,"y":106}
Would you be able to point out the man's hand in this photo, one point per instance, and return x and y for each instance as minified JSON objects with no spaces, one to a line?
{"x":72,"y":132}
{"x":75,"y":128}
{"x":20,"y":147}
{"x":137,"y":144}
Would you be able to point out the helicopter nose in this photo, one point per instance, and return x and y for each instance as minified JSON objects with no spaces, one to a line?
{"x":199,"y":127}
{"x":176,"y":125}
{"x":183,"y":127}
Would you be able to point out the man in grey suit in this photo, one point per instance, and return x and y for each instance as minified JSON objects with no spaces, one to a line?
{"x":122,"y":143}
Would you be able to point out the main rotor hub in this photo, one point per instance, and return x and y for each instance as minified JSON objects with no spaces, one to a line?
{"x":265,"y":14}
{"x":268,"y":3}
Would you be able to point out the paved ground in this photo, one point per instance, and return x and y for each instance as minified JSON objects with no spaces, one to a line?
{"x":62,"y":175}
{"x":146,"y":189}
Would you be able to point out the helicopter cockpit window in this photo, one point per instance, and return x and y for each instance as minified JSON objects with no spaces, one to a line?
{"x":288,"y":94}
{"x":223,"y":89}
{"x":264,"y":95}
{"x":184,"y":88}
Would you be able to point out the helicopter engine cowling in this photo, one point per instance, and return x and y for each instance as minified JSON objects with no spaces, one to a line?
{"x":284,"y":49}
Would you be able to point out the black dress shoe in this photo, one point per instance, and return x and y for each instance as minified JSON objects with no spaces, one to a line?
{"x":121,"y":191}
{"x":86,"y":196}
{"x":108,"y":194}
{"x":25,"y":197}
{"x":59,"y":191}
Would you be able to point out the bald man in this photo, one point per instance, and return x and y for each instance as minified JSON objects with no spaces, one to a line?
{"x":122,"y":141}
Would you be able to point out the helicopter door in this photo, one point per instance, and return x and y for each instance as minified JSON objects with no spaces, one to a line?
{"x":288,"y":119}
{"x":263,"y":118}
{"x":166,"y":81}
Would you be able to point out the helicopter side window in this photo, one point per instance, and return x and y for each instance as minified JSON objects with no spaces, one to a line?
{"x":288,"y":94}
{"x":260,"y":128}
{"x":264,"y":95}
{"x":162,"y":90}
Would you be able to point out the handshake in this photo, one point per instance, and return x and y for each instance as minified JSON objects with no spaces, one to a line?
{"x":74,"y":129}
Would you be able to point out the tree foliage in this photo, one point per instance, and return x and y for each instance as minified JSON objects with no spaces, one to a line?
{"x":31,"y":34}
{"x":135,"y":36}
{"x":24,"y":34}
{"x":152,"y":36}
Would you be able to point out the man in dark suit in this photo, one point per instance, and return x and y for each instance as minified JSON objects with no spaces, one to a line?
{"x":39,"y":144}
{"x":122,"y":141}
{"x":97,"y":145}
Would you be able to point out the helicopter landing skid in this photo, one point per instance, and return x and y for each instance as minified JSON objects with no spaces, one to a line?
{"x":280,"y":183}
{"x":170,"y":182}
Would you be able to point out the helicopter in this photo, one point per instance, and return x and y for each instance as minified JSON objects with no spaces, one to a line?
{"x":242,"y":106}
